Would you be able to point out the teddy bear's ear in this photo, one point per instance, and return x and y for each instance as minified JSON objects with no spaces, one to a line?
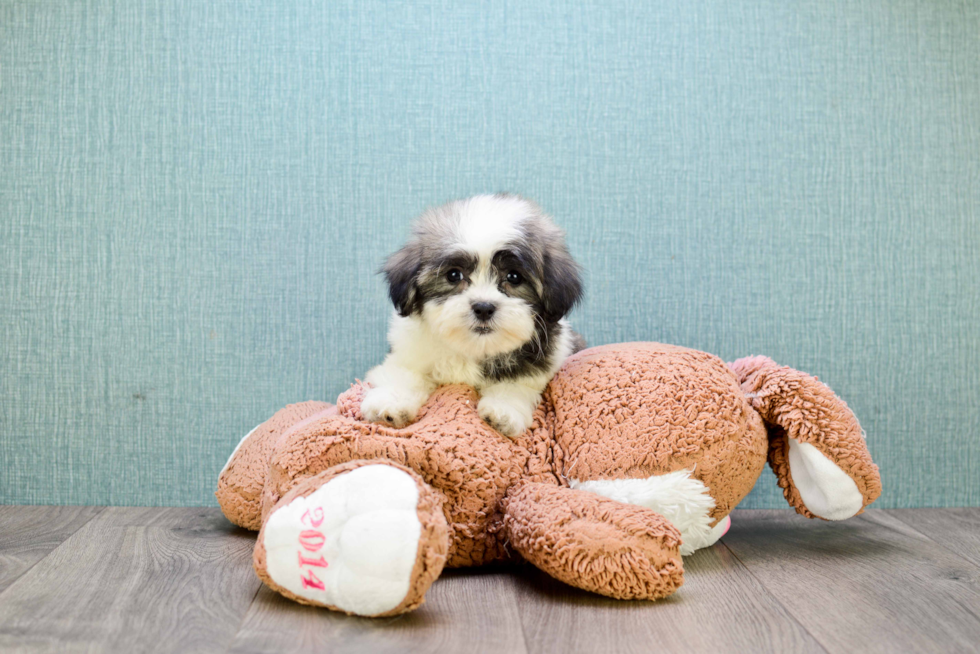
{"x":401,"y":271}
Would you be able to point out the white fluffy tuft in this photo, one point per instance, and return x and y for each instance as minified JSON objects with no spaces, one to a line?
{"x":676,"y":496}
{"x":487,"y":222}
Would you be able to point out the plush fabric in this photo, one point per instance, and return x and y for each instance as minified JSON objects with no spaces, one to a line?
{"x":684,"y":412}
{"x":618,"y":550}
{"x":635,"y":412}
{"x":430,"y":554}
{"x":245,"y":482}
{"x":809,"y":413}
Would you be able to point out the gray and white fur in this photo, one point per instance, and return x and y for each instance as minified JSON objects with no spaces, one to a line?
{"x":480,"y":292}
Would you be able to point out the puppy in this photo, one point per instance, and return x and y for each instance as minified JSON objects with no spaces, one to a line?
{"x":480,"y":294}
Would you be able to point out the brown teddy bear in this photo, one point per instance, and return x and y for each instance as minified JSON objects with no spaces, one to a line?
{"x":636,"y":456}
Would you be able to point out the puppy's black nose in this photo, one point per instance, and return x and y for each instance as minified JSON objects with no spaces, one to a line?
{"x":484,"y":310}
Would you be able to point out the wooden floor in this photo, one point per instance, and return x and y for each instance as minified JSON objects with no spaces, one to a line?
{"x":180,"y":580}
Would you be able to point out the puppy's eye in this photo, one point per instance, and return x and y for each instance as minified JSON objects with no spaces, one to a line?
{"x":454,"y":276}
{"x":514,"y":278}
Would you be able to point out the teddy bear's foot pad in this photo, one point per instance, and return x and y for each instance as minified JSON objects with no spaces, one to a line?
{"x":826,"y":490}
{"x":351,"y":544}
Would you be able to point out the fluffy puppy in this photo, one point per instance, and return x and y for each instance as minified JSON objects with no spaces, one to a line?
{"x":480,"y":294}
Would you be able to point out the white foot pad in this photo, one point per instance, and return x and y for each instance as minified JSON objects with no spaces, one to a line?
{"x":826,"y":490}
{"x":352,"y":543}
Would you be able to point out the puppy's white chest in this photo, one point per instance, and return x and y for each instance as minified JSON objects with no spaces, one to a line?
{"x":455,"y":369}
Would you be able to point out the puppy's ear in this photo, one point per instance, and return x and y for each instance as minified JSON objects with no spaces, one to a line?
{"x":562,"y":286}
{"x":401,"y":272}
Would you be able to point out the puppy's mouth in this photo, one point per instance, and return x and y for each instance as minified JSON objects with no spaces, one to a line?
{"x":483,"y":330}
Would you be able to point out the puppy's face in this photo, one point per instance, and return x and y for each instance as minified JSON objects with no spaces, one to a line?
{"x":487,"y":274}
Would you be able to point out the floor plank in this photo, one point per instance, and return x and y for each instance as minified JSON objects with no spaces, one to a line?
{"x":465,"y":610}
{"x":135,"y":580}
{"x":29,"y":533}
{"x":958,"y":530}
{"x":720,"y":608}
{"x":871,"y":584}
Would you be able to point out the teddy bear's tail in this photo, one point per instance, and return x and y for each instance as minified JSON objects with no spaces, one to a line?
{"x":816,"y":445}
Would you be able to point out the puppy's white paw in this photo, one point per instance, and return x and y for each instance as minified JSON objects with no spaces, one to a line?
{"x":390,"y":406}
{"x":508,"y":416}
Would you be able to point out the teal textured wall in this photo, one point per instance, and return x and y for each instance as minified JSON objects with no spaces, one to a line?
{"x":195,"y":197}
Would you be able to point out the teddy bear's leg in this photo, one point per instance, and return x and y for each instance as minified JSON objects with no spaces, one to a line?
{"x":677,"y":496}
{"x":816,"y":446}
{"x":365,"y":537}
{"x":594,"y":543}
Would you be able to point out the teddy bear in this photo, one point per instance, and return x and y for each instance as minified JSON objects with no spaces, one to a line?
{"x":637,"y":454}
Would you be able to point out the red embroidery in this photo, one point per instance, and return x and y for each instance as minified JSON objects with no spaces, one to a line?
{"x":319,"y":563}
{"x":312,"y":581}
{"x":311,"y":540}
{"x":315,"y":520}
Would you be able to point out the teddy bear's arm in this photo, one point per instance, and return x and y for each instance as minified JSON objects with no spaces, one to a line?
{"x":597,"y":544}
{"x":816,"y":445}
